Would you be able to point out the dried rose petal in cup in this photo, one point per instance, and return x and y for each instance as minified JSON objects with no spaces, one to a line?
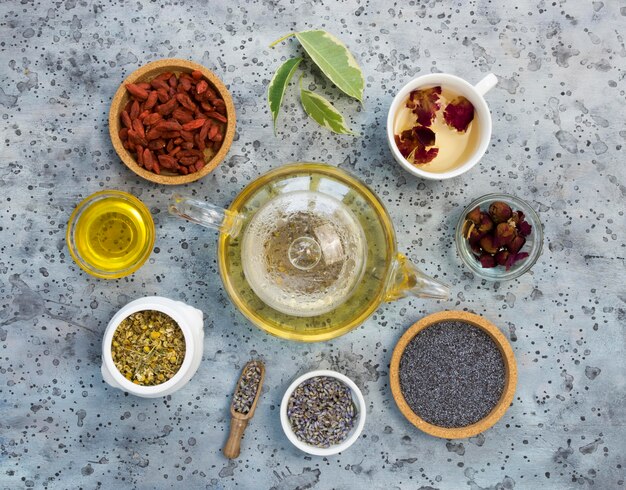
{"x":496,"y":237}
{"x":459,"y":114}
{"x":428,"y":116}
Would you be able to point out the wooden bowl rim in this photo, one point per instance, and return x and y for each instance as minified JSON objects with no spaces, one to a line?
{"x":177,"y":65}
{"x":510,"y":375}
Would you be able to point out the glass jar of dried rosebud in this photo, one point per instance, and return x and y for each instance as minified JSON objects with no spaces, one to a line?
{"x":499,"y":237}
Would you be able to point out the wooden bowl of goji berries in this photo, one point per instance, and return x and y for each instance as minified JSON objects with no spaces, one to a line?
{"x":172,"y":121}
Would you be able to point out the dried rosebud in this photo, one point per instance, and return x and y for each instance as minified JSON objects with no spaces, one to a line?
{"x":412,"y":144}
{"x":500,"y":211}
{"x":474,"y":236}
{"x":513,"y":258}
{"x":421,"y":155}
{"x":405,"y":143}
{"x":524,"y":228}
{"x":502,"y":256}
{"x":476,"y":248}
{"x":516,"y":244}
{"x":426,"y":136}
{"x":521,"y":256}
{"x":459,"y":113}
{"x":487,"y":261}
{"x":488,"y":244}
{"x":504,"y":234}
{"x":474,"y":215}
{"x":516,"y":217}
{"x":425,"y":104}
{"x":485,"y":223}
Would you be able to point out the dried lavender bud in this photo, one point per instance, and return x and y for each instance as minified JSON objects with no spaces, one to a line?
{"x":474,"y":215}
{"x":501,"y":257}
{"x":486,"y":224}
{"x":487,"y":261}
{"x":487,"y":243}
{"x":504,"y":234}
{"x":500,"y":211}
{"x":321,"y":411}
{"x":247,"y":387}
{"x":516,"y":244}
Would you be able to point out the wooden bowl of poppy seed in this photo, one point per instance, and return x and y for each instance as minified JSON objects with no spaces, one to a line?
{"x":208,"y":158}
{"x":453,"y":374}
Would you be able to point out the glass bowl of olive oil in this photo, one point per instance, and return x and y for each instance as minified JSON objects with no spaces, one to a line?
{"x":110,"y":234}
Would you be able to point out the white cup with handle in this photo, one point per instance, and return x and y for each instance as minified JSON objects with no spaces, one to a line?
{"x":482,"y":117}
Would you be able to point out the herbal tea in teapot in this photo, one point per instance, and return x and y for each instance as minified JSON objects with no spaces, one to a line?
{"x":303,"y":253}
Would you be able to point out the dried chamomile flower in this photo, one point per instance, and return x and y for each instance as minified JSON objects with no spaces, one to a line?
{"x":148,"y":347}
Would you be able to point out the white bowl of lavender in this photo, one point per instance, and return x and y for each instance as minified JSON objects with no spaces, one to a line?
{"x":323,"y":412}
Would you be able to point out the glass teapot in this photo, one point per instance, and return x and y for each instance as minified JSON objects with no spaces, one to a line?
{"x":308,"y":252}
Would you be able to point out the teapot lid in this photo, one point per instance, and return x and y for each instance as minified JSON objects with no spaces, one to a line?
{"x":303,"y":253}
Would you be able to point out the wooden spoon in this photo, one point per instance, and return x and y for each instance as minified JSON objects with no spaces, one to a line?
{"x":238,"y":420}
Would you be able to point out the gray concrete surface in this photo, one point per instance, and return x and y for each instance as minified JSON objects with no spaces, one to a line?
{"x":559,"y":132}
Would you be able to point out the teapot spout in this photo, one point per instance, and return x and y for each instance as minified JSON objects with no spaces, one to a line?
{"x":408,"y":280}
{"x":206,"y":214}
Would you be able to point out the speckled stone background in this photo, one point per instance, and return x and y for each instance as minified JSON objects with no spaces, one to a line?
{"x":558,"y":140}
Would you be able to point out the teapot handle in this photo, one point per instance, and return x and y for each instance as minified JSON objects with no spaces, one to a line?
{"x":206,"y":214}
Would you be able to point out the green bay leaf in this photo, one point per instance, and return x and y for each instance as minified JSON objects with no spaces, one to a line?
{"x":278,"y":85}
{"x":323,"y":112}
{"x":335,"y":61}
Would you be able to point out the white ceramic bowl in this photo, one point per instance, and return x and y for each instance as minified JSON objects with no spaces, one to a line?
{"x":357,"y":398}
{"x":190,"y":321}
{"x":474,"y":93}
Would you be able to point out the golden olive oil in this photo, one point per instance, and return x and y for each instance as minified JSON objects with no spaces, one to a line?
{"x":111,"y":234}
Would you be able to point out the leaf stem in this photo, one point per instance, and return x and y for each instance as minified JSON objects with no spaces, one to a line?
{"x":287,"y":36}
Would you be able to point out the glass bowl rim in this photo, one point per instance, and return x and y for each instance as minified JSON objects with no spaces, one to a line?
{"x":75,"y":217}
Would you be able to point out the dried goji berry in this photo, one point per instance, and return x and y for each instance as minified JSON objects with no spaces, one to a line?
{"x":126,"y":120}
{"x":170,"y":125}
{"x":152,"y":119}
{"x":195,"y":124}
{"x":137,"y":91}
{"x":138,"y":127}
{"x":167,"y":108}
{"x":201,"y":87}
{"x":153,"y":134}
{"x":134,"y":110}
{"x":185,"y":101}
{"x":151,"y":100}
{"x":217,"y":116}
